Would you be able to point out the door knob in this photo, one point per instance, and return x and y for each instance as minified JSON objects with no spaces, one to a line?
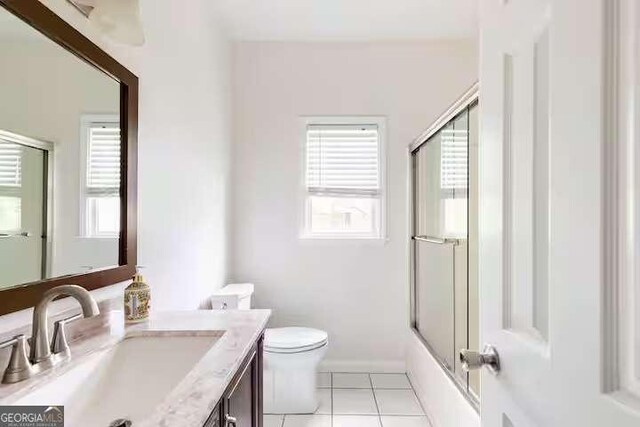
{"x":474,"y":360}
{"x":230,"y":421}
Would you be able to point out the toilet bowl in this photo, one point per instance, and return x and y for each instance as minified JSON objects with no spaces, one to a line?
{"x":291,"y":358}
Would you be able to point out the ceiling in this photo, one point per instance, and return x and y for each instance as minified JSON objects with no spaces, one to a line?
{"x":347,"y":20}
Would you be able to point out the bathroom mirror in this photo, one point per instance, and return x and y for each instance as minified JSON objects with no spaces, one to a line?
{"x":68,"y":120}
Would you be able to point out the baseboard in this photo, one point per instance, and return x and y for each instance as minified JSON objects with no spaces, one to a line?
{"x":382,"y":366}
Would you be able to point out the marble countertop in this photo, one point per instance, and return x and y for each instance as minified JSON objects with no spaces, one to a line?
{"x":190,"y":403}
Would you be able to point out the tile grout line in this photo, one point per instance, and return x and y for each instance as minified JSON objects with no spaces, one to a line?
{"x":415,"y":393}
{"x":331,"y":392}
{"x":375,"y":399}
{"x":424,"y":414}
{"x":377,"y":388}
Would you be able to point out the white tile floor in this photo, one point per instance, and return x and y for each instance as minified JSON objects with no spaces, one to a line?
{"x":359,"y":400}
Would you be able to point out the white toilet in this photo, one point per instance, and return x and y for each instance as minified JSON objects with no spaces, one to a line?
{"x":291,"y":358}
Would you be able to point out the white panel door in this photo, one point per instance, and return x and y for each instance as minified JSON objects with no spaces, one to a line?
{"x":559,"y":301}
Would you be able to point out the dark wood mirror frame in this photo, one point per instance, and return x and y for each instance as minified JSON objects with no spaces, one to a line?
{"x":55,"y":28}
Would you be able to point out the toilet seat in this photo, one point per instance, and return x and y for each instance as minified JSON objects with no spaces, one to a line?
{"x":294,"y":340}
{"x":291,"y":360}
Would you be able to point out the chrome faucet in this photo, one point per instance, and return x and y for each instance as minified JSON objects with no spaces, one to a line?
{"x":41,"y":356}
{"x":19,"y":367}
{"x":40,"y":348}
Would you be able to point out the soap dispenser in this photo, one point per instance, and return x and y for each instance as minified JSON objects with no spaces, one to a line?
{"x":137,"y":299}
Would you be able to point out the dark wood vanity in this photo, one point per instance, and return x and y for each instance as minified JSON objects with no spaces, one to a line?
{"x":241,"y":405}
{"x":194,"y":368}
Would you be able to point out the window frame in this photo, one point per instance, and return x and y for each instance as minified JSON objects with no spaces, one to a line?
{"x":86,"y":120}
{"x":305,"y":232}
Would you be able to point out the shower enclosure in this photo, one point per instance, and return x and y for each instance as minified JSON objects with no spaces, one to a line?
{"x":444,"y":239}
{"x":25,"y":199}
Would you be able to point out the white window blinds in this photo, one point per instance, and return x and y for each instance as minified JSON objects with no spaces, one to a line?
{"x":103,"y":159}
{"x":10,"y":165}
{"x":343,"y":159}
{"x":454,"y":163}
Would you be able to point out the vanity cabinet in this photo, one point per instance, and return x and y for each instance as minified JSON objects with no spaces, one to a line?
{"x":241,"y":404}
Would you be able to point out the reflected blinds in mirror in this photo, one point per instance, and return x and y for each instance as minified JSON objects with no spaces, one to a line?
{"x":10,"y":165}
{"x":10,"y":187}
{"x":103,"y":163}
{"x":454,"y":162}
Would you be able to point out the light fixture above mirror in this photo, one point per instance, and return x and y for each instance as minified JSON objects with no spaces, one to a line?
{"x":117,"y":19}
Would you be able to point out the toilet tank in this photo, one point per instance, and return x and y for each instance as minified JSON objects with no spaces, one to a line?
{"x":233,"y":296}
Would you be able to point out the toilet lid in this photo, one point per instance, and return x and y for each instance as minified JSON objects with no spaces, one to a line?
{"x":293,"y":339}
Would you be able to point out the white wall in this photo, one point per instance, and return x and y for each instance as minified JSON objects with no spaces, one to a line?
{"x":357,"y":291}
{"x":183,"y":149}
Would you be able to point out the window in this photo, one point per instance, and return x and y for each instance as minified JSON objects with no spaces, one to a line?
{"x":10,"y":187}
{"x":343,"y":179}
{"x":101,"y":182}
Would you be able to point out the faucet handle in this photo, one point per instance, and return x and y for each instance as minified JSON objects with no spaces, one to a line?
{"x":19,"y":367}
{"x":59,"y":343}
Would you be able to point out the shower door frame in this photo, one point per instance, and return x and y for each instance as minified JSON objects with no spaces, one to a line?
{"x":47,"y":148}
{"x":467,"y":100}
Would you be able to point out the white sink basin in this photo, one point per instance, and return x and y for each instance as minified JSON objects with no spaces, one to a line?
{"x":127,"y":381}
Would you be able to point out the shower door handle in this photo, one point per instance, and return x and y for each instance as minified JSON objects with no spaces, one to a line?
{"x":473,"y":360}
{"x":437,"y":240}
{"x":21,"y":234}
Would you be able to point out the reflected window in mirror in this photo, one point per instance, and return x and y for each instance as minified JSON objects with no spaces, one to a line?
{"x":10,"y":188}
{"x":454,"y":177}
{"x":100,"y":204}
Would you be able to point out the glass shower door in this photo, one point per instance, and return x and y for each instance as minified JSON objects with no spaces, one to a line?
{"x":442,"y":219}
{"x":434,"y":255}
{"x":22,"y":203}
